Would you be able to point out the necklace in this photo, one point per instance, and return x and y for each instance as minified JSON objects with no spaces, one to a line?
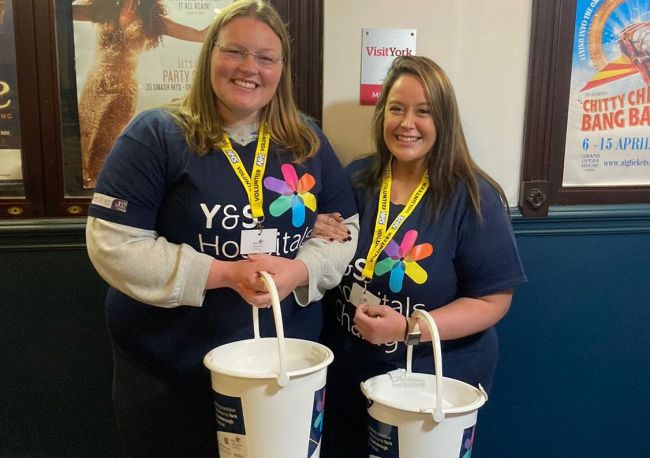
{"x":244,"y":134}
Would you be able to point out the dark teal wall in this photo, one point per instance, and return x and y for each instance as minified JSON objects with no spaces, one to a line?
{"x":55,"y":364}
{"x":575,"y":350}
{"x":575,"y":347}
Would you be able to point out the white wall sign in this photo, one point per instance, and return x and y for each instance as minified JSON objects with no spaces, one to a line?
{"x":378,"y":49}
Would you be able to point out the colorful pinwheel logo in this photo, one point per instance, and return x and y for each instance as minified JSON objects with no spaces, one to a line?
{"x":317,"y":422}
{"x":320,"y":408}
{"x":294,"y":192}
{"x":402,"y":260}
{"x":468,"y":442}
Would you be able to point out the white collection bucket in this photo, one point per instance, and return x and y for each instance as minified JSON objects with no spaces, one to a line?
{"x":416,"y":415}
{"x":269,"y":393}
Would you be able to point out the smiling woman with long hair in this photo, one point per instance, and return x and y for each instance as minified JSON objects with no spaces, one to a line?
{"x":108,"y":99}
{"x":435,"y":236}
{"x":177,"y":229}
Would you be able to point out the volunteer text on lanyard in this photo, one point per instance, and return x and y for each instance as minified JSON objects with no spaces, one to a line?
{"x":384,"y":233}
{"x":260,"y":240}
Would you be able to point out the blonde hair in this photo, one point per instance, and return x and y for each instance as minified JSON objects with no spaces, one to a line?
{"x":197,"y":112}
{"x":449,"y":161}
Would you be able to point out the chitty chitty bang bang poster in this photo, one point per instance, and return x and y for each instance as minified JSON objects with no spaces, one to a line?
{"x":608,"y":124}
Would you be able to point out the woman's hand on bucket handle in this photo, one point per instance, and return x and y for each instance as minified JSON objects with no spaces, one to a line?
{"x":241,"y":276}
{"x":287,"y":274}
{"x":380,"y":324}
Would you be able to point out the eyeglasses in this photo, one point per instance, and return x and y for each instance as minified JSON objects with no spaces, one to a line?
{"x":262,"y":58}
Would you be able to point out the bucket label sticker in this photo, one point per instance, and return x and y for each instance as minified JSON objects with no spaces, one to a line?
{"x":467,"y":443}
{"x":317,"y":412}
{"x":382,"y":439}
{"x":231,"y":432}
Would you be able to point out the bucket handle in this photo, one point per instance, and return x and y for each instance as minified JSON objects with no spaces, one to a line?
{"x":283,"y":376}
{"x":438,"y":414}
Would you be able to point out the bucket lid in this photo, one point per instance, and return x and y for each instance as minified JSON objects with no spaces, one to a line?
{"x":277,"y":358}
{"x":433,"y":394}
{"x":259,"y":358}
{"x":415,"y":392}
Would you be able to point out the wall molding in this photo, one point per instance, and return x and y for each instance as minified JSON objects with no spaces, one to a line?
{"x":69,"y":233}
{"x":585,"y":220}
{"x":43,"y":234}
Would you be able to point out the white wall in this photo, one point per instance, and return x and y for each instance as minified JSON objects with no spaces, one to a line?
{"x":481,"y":44}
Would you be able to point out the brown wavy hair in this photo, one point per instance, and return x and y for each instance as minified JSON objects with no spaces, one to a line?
{"x":197,"y":112}
{"x":449,"y":162}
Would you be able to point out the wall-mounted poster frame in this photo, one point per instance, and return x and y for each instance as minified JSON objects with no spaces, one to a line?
{"x":31,"y":202}
{"x":552,"y":38}
{"x":41,"y":48}
{"x":11,"y":174}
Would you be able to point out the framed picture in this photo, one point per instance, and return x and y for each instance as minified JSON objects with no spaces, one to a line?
{"x":68,"y":71}
{"x":11,"y":176}
{"x":587,"y":133}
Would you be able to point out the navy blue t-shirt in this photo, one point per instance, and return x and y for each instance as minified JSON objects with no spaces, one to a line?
{"x":157,"y":183}
{"x":429,"y":263}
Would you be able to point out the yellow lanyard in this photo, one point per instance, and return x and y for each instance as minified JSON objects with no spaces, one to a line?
{"x":252,"y":185}
{"x":384,"y":233}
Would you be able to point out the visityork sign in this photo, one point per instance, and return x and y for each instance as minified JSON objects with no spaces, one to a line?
{"x":378,"y":49}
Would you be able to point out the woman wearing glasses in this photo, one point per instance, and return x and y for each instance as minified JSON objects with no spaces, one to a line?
{"x":191,"y":200}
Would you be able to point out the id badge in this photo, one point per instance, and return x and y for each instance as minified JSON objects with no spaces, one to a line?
{"x":358,"y":296}
{"x":255,"y":241}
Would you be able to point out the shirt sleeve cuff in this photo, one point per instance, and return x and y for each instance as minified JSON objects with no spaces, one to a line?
{"x":304,"y":295}
{"x":198,"y":269}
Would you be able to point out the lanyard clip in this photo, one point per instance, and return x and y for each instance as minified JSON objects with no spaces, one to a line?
{"x":365,"y":285}
{"x":259,"y":223}
{"x":260,"y":227}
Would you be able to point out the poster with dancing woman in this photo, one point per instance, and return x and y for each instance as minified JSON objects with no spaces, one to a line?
{"x":131,"y":55}
{"x":608,"y":124}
